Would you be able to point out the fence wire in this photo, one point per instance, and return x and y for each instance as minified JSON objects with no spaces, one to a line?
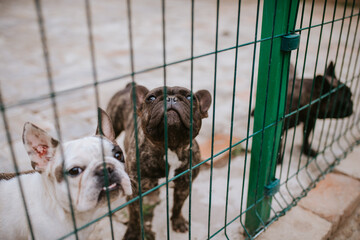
{"x":328,"y":33}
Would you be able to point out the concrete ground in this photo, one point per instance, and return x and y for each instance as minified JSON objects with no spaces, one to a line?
{"x":330,"y":211}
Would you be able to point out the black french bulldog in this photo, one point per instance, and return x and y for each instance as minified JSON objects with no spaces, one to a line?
{"x":333,"y":100}
{"x":330,"y":96}
{"x":151,"y":144}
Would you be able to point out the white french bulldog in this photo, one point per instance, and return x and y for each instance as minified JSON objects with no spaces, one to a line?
{"x":46,"y":191}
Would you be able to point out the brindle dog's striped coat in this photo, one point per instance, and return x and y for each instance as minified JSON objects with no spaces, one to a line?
{"x":151,"y":144}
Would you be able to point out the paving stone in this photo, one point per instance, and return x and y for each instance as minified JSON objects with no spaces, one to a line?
{"x":221,"y":142}
{"x":334,"y":198}
{"x":350,"y":165}
{"x":350,"y":228}
{"x":298,"y":224}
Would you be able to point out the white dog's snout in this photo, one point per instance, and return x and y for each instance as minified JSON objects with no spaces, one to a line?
{"x":116,"y":174}
{"x":104,"y":168}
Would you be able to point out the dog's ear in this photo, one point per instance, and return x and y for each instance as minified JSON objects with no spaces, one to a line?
{"x":326,"y":87}
{"x":330,"y":70}
{"x":141,"y":92}
{"x":40,"y":146}
{"x":105,"y":127}
{"x":330,"y":74}
{"x":204,"y":98}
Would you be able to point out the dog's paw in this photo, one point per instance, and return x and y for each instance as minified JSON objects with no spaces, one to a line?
{"x":179,"y":224}
{"x":310,"y":152}
{"x":149,"y":235}
{"x":129,"y":235}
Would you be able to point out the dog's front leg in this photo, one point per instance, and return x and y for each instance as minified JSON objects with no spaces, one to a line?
{"x":181,"y":192}
{"x":133,"y":231}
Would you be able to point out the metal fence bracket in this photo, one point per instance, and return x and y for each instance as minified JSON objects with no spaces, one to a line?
{"x":272,"y":188}
{"x":290,"y":42}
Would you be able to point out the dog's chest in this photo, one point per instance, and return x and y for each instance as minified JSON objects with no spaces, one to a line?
{"x":174,"y":163}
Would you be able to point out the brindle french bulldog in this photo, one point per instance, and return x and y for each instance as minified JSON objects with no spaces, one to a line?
{"x":151,"y":144}
{"x":335,"y":102}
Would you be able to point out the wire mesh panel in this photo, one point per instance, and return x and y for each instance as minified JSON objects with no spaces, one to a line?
{"x":241,"y":162}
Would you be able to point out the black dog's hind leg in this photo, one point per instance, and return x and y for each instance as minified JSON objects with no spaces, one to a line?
{"x":306,"y":146}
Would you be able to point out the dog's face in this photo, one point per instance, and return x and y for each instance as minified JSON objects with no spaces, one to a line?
{"x":81,"y":166}
{"x":338,"y":103}
{"x":150,"y":108}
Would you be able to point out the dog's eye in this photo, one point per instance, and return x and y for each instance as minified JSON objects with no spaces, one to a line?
{"x":119,"y":156}
{"x":188,"y":97}
{"x":151,"y":98}
{"x":75,"y":171}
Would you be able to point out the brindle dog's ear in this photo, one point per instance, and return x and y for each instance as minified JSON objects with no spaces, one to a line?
{"x":105,"y":126}
{"x":141,"y":92}
{"x":204,"y":98}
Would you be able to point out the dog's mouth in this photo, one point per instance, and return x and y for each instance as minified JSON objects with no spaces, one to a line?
{"x":176,"y":116}
{"x":112,"y":189}
{"x":173,"y":111}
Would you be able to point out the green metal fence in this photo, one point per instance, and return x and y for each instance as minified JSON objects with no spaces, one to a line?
{"x":265,"y":187}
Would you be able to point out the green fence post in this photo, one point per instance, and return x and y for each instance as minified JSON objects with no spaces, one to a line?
{"x":279,"y":18}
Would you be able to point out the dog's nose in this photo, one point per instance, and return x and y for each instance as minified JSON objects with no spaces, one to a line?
{"x":100,"y":171}
{"x":171,"y":99}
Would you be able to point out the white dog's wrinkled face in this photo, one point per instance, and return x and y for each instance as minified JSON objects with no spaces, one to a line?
{"x":89,"y":182}
{"x":91,"y":169}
